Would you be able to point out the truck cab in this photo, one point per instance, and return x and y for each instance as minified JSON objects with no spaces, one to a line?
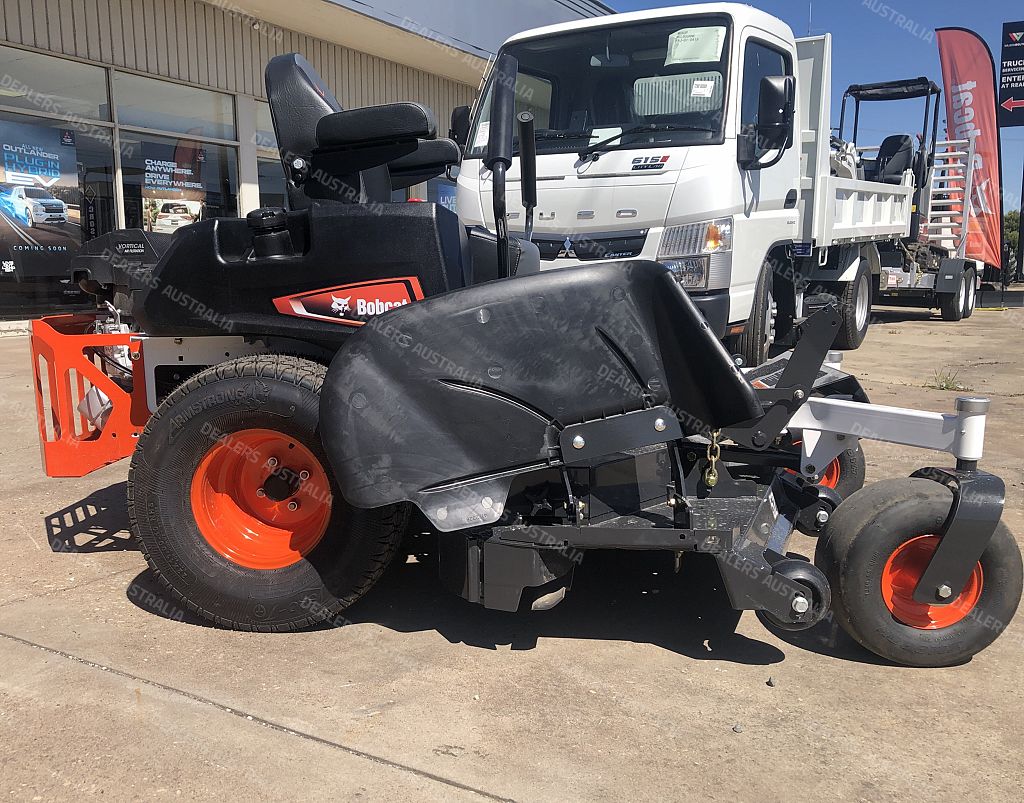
{"x":647,"y":147}
{"x":698,"y":136}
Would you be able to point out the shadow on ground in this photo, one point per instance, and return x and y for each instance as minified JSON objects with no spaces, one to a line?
{"x":616,"y":596}
{"x":98,"y":523}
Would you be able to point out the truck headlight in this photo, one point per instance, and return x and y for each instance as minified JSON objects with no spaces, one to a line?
{"x":686,"y":250}
{"x":691,"y":272}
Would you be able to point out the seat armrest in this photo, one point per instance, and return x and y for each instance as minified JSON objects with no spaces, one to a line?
{"x":430,"y":159}
{"x":375,"y":125}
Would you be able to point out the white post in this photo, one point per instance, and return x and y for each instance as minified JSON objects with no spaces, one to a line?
{"x":248,"y":172}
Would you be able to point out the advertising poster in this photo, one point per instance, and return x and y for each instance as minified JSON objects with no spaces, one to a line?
{"x":172,"y":191}
{"x":40,"y":200}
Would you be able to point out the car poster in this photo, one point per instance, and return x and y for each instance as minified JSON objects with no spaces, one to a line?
{"x":40,"y":200}
{"x":173,"y":194}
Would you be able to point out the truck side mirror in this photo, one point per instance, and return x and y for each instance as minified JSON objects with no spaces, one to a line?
{"x":459,"y":130}
{"x":773,"y":131}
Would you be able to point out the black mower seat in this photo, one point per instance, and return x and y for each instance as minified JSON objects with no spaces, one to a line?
{"x":461,"y":389}
{"x":347,"y":156}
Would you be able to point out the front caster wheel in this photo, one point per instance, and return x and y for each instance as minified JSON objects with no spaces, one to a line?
{"x":817,"y":604}
{"x":873,"y":552}
{"x":233,"y":504}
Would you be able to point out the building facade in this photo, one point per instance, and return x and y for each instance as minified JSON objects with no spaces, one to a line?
{"x":152,"y":113}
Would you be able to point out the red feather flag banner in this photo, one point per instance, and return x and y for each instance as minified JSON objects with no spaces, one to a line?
{"x":969,"y":75}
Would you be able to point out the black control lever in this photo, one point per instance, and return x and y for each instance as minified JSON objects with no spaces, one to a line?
{"x":498,"y":158}
{"x":527,"y":167}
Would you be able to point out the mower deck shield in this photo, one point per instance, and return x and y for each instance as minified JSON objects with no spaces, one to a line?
{"x":442,"y":403}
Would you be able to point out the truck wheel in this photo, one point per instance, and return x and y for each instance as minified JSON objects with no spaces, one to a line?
{"x":759,"y":333}
{"x":875,"y":549}
{"x":855,"y":307}
{"x":951,"y":305}
{"x":971,"y":295}
{"x":232,"y":501}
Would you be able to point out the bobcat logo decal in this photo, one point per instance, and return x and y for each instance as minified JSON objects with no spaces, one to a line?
{"x":340,"y":305}
{"x":360,"y":302}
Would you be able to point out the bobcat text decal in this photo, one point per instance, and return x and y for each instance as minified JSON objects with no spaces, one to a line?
{"x":351,"y":304}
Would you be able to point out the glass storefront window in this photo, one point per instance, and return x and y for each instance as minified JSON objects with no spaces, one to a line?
{"x":35,"y":82}
{"x":169,"y":183}
{"x":56,"y":192}
{"x":151,"y":103}
{"x":272,"y":187}
{"x":265,"y":136}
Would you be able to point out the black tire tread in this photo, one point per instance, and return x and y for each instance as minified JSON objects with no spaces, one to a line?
{"x":849,"y":337}
{"x":750,"y":345}
{"x":838,"y":541}
{"x":301,"y":373}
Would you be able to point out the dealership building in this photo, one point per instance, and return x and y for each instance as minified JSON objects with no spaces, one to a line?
{"x":152,"y":113}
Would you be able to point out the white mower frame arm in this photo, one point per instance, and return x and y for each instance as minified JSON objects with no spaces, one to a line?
{"x":826,"y":425}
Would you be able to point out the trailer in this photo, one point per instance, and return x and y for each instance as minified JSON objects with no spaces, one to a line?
{"x":701,"y":136}
{"x":929,"y":267}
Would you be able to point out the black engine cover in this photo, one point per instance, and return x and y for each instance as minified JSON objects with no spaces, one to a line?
{"x":208,"y":282}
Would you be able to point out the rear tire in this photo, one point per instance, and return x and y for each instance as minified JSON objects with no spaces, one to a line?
{"x":951,"y":305}
{"x":855,"y":307}
{"x":213,"y":515}
{"x":759,"y":334}
{"x":870,"y":551}
{"x":971,"y":297}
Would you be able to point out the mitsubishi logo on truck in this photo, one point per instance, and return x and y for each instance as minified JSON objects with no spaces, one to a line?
{"x":351,"y":304}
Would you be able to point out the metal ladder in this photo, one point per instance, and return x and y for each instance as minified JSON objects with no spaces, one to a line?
{"x":951,"y":173}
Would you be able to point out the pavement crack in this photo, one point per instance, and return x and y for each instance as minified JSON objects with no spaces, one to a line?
{"x":258,"y":720}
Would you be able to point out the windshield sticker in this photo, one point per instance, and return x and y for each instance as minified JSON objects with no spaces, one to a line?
{"x":483,"y":132}
{"x":601,"y":134}
{"x":695,"y":45}
{"x":702,"y":89}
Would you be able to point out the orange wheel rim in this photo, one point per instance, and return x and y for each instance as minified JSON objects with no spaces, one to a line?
{"x":901,"y":575}
{"x":830,"y":479}
{"x":831,"y":475}
{"x":261,"y":499}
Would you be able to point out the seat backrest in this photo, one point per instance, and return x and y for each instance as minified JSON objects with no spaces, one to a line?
{"x":299,"y":98}
{"x":895,"y":157}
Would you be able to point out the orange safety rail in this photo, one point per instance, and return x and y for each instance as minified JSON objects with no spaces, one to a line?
{"x":67,"y":362}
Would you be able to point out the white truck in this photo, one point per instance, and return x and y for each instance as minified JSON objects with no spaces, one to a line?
{"x":699,"y":136}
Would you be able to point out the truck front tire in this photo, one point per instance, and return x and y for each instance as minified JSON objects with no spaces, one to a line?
{"x":759,"y":333}
{"x":855,"y":307}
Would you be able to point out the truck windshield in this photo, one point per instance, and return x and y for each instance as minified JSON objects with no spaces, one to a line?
{"x":31,"y":192}
{"x":637,"y":85}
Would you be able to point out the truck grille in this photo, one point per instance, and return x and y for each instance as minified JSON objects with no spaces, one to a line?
{"x":591,"y":247}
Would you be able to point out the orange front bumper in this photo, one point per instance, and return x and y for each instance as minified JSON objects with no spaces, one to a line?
{"x":67,"y":362}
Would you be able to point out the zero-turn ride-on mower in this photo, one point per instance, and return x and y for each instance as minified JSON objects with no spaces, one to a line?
{"x":289,"y":386}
